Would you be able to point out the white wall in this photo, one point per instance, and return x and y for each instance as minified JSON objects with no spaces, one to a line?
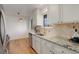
{"x":16,"y":29}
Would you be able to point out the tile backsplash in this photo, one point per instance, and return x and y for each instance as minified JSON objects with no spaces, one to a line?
{"x":65,"y":30}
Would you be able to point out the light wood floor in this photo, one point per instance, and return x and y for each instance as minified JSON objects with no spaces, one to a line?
{"x":20,"y":46}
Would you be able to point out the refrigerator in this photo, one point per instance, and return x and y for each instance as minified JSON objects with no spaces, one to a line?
{"x":2,"y":32}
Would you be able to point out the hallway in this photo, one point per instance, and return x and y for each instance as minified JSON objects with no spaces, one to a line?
{"x":20,"y":46}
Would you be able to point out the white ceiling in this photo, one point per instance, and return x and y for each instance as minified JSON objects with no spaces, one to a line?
{"x":24,"y":9}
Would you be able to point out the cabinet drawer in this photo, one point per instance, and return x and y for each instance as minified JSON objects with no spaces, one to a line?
{"x":43,"y":47}
{"x":46,"y":47}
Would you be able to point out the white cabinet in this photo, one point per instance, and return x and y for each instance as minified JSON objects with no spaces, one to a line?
{"x":47,"y":47}
{"x":70,"y":13}
{"x":40,"y":45}
{"x":37,"y":18}
{"x":43,"y":46}
{"x":53,"y":14}
{"x":64,"y":13}
{"x":51,"y":48}
{"x":36,"y":43}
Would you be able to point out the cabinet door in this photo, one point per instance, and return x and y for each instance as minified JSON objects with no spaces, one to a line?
{"x":33,"y":42}
{"x":38,"y":45}
{"x":53,"y":14}
{"x":50,"y":48}
{"x":46,"y":47}
{"x":70,"y":13}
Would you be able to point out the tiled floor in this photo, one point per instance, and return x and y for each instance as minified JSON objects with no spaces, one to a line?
{"x":20,"y":46}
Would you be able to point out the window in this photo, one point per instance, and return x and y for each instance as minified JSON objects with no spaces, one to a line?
{"x":45,"y":21}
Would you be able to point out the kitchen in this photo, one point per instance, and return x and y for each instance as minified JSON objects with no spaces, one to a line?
{"x":48,"y":27}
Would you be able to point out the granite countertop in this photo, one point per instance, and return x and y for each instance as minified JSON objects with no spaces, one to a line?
{"x":62,"y":41}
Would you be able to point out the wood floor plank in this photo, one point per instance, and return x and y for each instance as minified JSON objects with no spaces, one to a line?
{"x":20,"y":46}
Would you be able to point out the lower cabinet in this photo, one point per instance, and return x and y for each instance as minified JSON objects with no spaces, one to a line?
{"x":42,"y":46}
{"x":46,"y":47}
{"x":36,"y":43}
{"x":38,"y":46}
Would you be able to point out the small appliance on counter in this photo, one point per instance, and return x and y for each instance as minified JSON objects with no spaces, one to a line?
{"x":75,"y":37}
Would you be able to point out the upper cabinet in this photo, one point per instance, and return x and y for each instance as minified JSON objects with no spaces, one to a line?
{"x":37,"y":17}
{"x":70,"y":13}
{"x":53,"y":14}
{"x":56,"y":14}
{"x":64,"y":13}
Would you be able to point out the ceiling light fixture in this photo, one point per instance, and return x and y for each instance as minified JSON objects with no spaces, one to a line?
{"x":20,"y":16}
